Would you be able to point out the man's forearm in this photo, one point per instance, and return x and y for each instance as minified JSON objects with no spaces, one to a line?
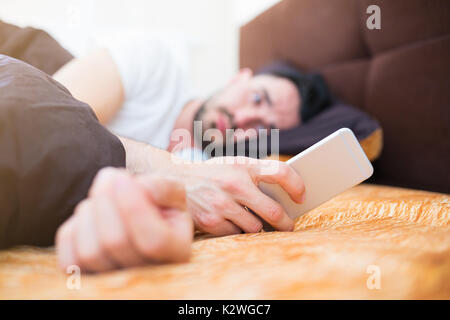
{"x":144,"y":158}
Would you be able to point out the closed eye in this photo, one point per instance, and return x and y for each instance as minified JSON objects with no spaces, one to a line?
{"x":257,"y":98}
{"x":267,"y":97}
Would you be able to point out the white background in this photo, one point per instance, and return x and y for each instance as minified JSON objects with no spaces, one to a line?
{"x":208,"y":30}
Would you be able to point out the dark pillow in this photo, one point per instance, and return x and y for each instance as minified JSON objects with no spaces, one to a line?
{"x":51,"y":148}
{"x":328,"y":121}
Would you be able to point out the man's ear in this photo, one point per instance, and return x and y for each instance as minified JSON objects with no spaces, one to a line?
{"x":243,"y":75}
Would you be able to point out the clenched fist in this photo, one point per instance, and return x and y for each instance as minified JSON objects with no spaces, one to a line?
{"x":127,"y":221}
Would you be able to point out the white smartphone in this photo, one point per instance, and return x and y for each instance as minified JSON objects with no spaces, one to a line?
{"x":328,"y":168}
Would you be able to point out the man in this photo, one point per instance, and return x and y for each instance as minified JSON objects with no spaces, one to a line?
{"x":138,"y":89}
{"x":139,"y":92}
{"x":52,"y":145}
{"x":129,"y":220}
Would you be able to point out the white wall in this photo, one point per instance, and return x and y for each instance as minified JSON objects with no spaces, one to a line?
{"x":208,"y":27}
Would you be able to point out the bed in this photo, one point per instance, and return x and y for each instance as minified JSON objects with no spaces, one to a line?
{"x":373,"y":241}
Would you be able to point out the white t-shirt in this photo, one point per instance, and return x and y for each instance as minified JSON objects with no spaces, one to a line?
{"x":155,"y":87}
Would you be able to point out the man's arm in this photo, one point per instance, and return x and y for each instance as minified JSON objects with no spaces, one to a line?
{"x":95,"y":80}
{"x":132,"y":219}
{"x":144,"y":158}
{"x":217,"y":190}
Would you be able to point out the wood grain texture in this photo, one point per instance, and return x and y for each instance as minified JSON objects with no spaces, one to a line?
{"x":406,"y":233}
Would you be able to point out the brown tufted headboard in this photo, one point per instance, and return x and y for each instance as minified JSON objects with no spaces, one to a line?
{"x":399,"y":74}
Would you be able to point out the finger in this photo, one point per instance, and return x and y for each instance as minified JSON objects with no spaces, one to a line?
{"x":147,"y":229}
{"x":206,"y":207}
{"x":243,"y":219}
{"x":86,"y":243}
{"x":112,"y":234}
{"x":224,"y":228}
{"x":182,"y":233}
{"x":165,"y":191}
{"x":64,"y":245}
{"x":217,"y":226}
{"x":267,"y":209}
{"x":111,"y":231}
{"x":284,"y":175}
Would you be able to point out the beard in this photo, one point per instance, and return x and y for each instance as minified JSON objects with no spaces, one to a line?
{"x":221,"y":145}
{"x":200,"y":134}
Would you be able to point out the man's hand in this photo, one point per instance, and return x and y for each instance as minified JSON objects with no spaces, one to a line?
{"x":217,"y":191}
{"x":127,"y":221}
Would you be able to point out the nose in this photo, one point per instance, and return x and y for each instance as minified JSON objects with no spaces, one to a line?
{"x":245,"y":115}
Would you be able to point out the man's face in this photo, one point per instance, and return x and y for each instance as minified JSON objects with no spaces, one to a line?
{"x":252,"y":102}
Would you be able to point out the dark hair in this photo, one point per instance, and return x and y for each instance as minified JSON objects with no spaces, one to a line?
{"x":312,"y":88}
